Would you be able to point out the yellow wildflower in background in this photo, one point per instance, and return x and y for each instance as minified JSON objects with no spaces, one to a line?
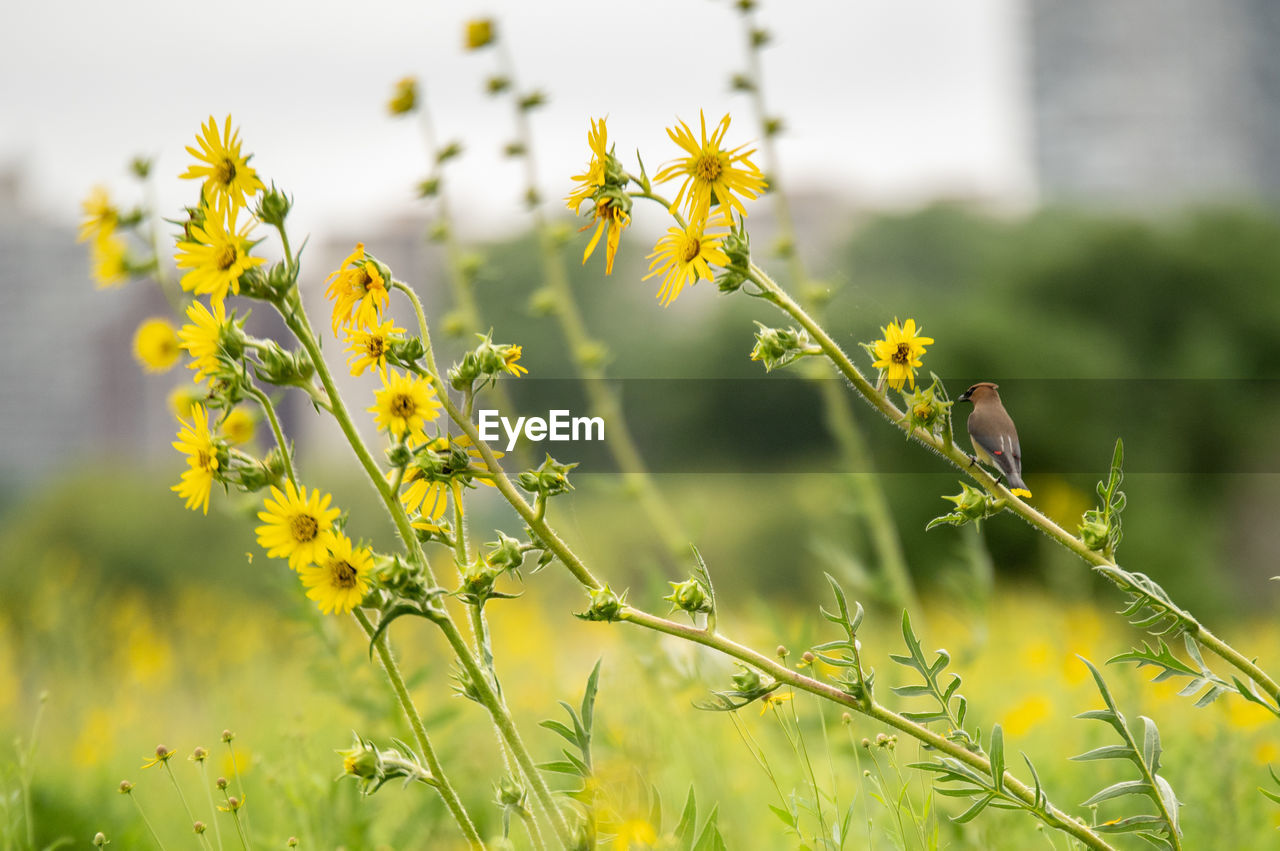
{"x":1029,"y":713}
{"x":594,"y":177}
{"x":369,"y":348}
{"x":238,"y":426}
{"x":773,"y":700}
{"x":682,"y":257}
{"x":100,"y":217}
{"x":711,"y":174}
{"x":109,"y":261}
{"x":358,"y":290}
{"x":296,"y":524}
{"x":607,"y":215}
{"x":197,"y":443}
{"x":202,"y":339}
{"x":405,"y":96}
{"x":226,"y":174}
{"x":217,"y":254}
{"x":155,"y":345}
{"x":899,"y":352}
{"x":404,"y":404}
{"x":182,"y":398}
{"x":479,"y":33}
{"x":340,"y":578}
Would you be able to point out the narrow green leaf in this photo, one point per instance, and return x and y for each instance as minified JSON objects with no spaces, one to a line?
{"x":783,"y":816}
{"x":710,"y":839}
{"x":561,"y":767}
{"x":996,"y":755}
{"x":1171,"y":802}
{"x":1130,"y":824}
{"x":1116,"y":790}
{"x":589,"y":699}
{"x":1041,"y":799}
{"x":1151,"y":749}
{"x":655,"y":811}
{"x":688,"y":825}
{"x":1106,"y":752}
{"x":560,"y":729}
{"x":973,"y":811}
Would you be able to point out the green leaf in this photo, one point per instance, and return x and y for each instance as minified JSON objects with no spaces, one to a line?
{"x":973,"y":811}
{"x":710,"y":839}
{"x":1117,"y":790}
{"x":783,"y":816}
{"x":1042,"y":800}
{"x":1171,"y":802}
{"x":1151,"y":749}
{"x":1106,"y":752}
{"x":1130,"y":824}
{"x":996,"y":755}
{"x":560,"y":729}
{"x":688,"y":820}
{"x":561,"y":767}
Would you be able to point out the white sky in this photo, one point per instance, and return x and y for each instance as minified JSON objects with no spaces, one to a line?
{"x":885,"y":100}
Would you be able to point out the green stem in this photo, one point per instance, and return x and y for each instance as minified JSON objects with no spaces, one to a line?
{"x":145,"y":821}
{"x":1050,"y":815}
{"x":442,"y":784}
{"x":270,"y":410}
{"x":213,"y":810}
{"x":963,"y":462}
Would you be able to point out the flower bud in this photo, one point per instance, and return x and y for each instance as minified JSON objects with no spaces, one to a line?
{"x":1094,"y":531}
{"x":404,"y":98}
{"x":506,"y":552}
{"x":273,"y":207}
{"x":480,"y":33}
{"x":497,"y":84}
{"x":605,"y":605}
{"x":100,"y":840}
{"x":429,"y":187}
{"x":510,"y":792}
{"x":688,"y":596}
{"x":747,"y":680}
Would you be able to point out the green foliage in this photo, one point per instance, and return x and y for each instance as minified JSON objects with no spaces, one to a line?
{"x":1161,"y":828}
{"x":952,"y":706}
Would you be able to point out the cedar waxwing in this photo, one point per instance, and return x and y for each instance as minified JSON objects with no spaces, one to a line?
{"x":995,"y":440}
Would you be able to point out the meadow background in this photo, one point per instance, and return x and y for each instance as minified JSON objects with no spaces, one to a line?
{"x":127,"y":622}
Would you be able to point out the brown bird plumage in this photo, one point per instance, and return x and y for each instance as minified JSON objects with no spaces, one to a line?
{"x":994,"y":437}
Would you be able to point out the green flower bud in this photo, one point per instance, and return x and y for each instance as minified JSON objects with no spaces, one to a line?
{"x":514,"y":149}
{"x":506,"y":552}
{"x":497,"y":84}
{"x":550,"y":479}
{"x":280,"y":279}
{"x":533,"y":100}
{"x":406,"y":350}
{"x":689,"y":596}
{"x":509,"y":792}
{"x":605,"y":605}
{"x":273,"y":207}
{"x":742,"y":83}
{"x":776,"y":347}
{"x":737,"y":247}
{"x":1094,"y":531}
{"x":404,"y":98}
{"x":448,"y":152}
{"x":429,"y":188}
{"x":747,"y":680}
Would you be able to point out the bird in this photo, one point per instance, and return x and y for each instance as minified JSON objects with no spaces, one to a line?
{"x":994,"y":437}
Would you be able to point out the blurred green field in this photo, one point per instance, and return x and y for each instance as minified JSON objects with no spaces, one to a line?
{"x":145,"y":624}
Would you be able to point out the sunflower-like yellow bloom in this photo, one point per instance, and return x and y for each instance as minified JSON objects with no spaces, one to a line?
{"x":405,"y":404}
{"x":217,"y":254}
{"x":297,"y":525}
{"x":226,"y":174}
{"x":359,"y":292}
{"x":712,"y":175}
{"x":100,"y":216}
{"x":340,"y":578}
{"x":431,"y":498}
{"x":683,"y":256}
{"x":197,"y":443}
{"x":155,"y":345}
{"x":238,"y":426}
{"x":202,"y":339}
{"x":479,"y":33}
{"x":608,"y":216}
{"x":369,"y":348}
{"x":594,"y":177}
{"x":109,"y":261}
{"x":899,"y":352}
{"x":511,"y":361}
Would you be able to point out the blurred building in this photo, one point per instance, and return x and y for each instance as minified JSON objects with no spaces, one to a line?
{"x":1146,"y":103}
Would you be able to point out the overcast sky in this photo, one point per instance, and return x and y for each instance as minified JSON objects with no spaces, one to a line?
{"x":890,"y":101}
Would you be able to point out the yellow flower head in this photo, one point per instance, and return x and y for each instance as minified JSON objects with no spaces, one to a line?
{"x":340,"y":578}
{"x":109,"y":261}
{"x":369,"y":348}
{"x":479,"y":33}
{"x":594,"y":177}
{"x":226,"y":174}
{"x":511,"y":361}
{"x":431,"y":497}
{"x":197,"y":443}
{"x":711,"y":174}
{"x":359,"y":292}
{"x":682,"y":257}
{"x":773,"y":700}
{"x":238,"y":426}
{"x":155,"y":345}
{"x":899,"y":352}
{"x":100,"y":217}
{"x":296,"y":525}
{"x":609,"y":215}
{"x":182,"y":398}
{"x":217,"y":254}
{"x":202,"y":339}
{"x":404,"y":404}
{"x":405,"y":97}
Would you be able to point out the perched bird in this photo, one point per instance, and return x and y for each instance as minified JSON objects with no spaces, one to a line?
{"x":995,"y":440}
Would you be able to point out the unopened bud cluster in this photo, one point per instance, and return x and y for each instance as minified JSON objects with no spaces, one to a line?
{"x":776,"y":347}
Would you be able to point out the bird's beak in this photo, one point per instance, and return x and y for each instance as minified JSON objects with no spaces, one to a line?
{"x":964,"y":397}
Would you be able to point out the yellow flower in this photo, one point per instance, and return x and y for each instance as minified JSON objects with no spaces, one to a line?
{"x":899,"y":352}
{"x":594,"y":177}
{"x":296,"y":525}
{"x":197,"y":443}
{"x":607,"y":214}
{"x":711,"y":175}
{"x":431,"y":498}
{"x":202,"y":340}
{"x":100,"y":217}
{"x":479,"y":33}
{"x":774,"y":699}
{"x":405,"y":97}
{"x":358,"y":290}
{"x":217,"y":254}
{"x":1026,"y":715}
{"x":162,"y":756}
{"x":238,"y":425}
{"x":109,"y":259}
{"x":340,"y":578}
{"x":369,"y":348}
{"x":182,"y":398}
{"x":682,"y":257}
{"x":155,"y":345}
{"x":404,"y":404}
{"x":636,"y":833}
{"x":226,"y":174}
{"x":511,"y":361}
